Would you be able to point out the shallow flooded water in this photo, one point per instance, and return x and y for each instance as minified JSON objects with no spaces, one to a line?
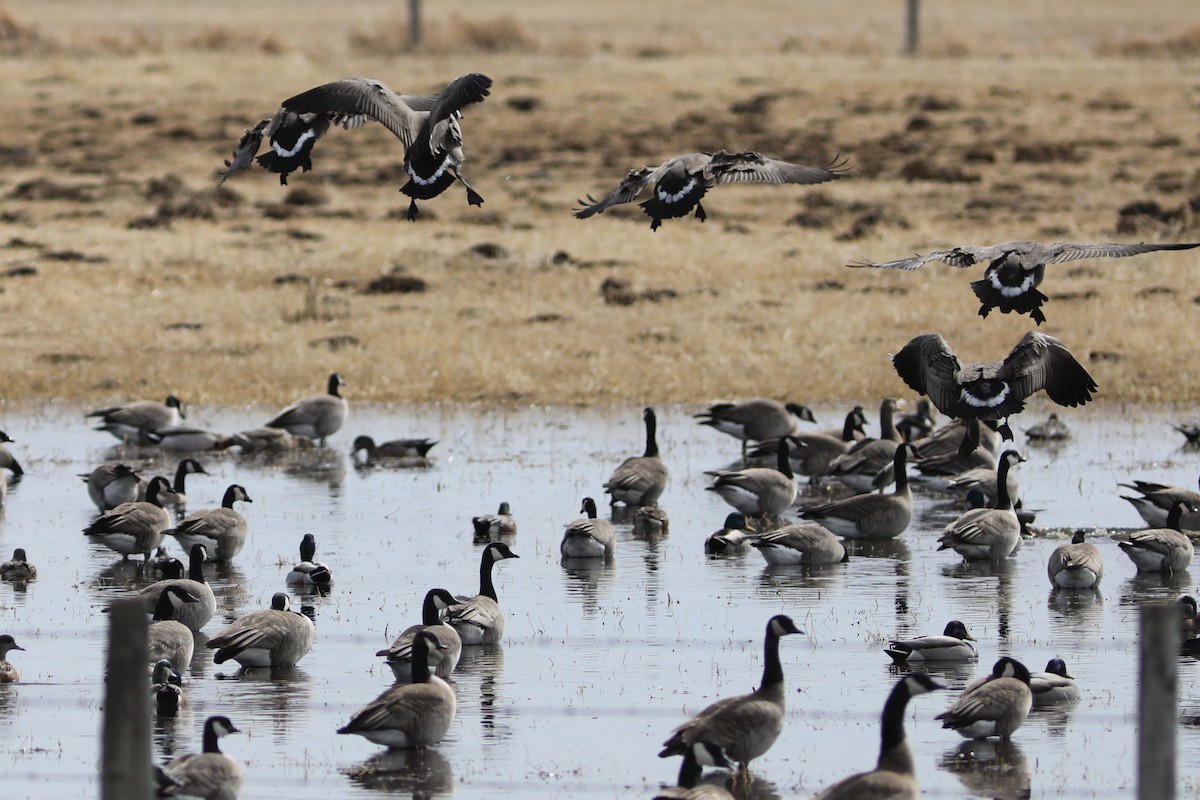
{"x":598,"y":663}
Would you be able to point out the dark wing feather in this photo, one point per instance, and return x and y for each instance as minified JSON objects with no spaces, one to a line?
{"x":629,"y":188}
{"x":350,"y":99}
{"x":246,"y":150}
{"x":752,"y":167}
{"x":929,"y":366}
{"x":462,"y":91}
{"x":1043,"y":362}
{"x":1059,"y":252}
{"x":965,"y":256}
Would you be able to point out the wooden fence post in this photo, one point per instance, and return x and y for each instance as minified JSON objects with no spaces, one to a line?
{"x":414,"y":24}
{"x":1158,"y":716}
{"x":912,"y":27}
{"x":125,"y":747}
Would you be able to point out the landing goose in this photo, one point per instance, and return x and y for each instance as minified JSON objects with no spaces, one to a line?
{"x":479,"y":619}
{"x":110,"y":485}
{"x":187,"y":466}
{"x":309,"y":572}
{"x":136,"y":527}
{"x":688,"y":785}
{"x":757,"y":419}
{"x":194,"y":615}
{"x":1054,"y":685}
{"x":493,"y":526}
{"x":987,"y":533}
{"x":759,"y":491}
{"x":640,"y":480}
{"x":131,"y":422}
{"x":396,"y":448}
{"x":870,"y":516}
{"x":1077,"y":565}
{"x":954,"y":644}
{"x":7,"y":460}
{"x":210,"y":774}
{"x":746,"y":726}
{"x":680,"y":183}
{"x":8,"y":673}
{"x":588,"y":536}
{"x":816,"y":451}
{"x":444,"y":657}
{"x":894,"y":776}
{"x":735,"y":536}
{"x":273,"y":637}
{"x":996,"y":706}
{"x":1162,"y":549}
{"x":1015,"y":269}
{"x":1157,"y":499}
{"x":188,"y":439}
{"x":222,"y":531}
{"x":316,"y":416}
{"x":804,"y":543}
{"x":166,"y":684}
{"x":169,"y":638}
{"x":17,"y":568}
{"x":428,"y":127}
{"x":859,"y":468}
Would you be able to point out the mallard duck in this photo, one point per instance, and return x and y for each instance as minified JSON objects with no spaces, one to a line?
{"x":1077,"y":565}
{"x":167,"y":686}
{"x":1054,"y":685}
{"x":870,"y":516}
{"x":131,"y":422}
{"x":273,"y":637}
{"x":688,"y":786}
{"x":756,"y":419}
{"x":8,"y":673}
{"x":987,"y":533}
{"x":136,"y":527}
{"x":640,"y":480}
{"x":222,"y":531}
{"x":167,"y":637}
{"x":492,"y":526}
{"x":759,"y":491}
{"x":479,"y":619}
{"x":734,"y":536}
{"x":1158,"y":549}
{"x":444,"y":657}
{"x":396,"y":448}
{"x":954,"y":644}
{"x":589,"y":536}
{"x":110,"y":485}
{"x":996,"y":706}
{"x":804,"y":543}
{"x":316,"y":416}
{"x":17,"y":568}
{"x":194,"y":615}
{"x":209,"y":774}
{"x":7,"y":460}
{"x":309,"y":572}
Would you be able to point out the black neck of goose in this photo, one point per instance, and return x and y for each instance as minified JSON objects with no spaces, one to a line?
{"x":900,"y":468}
{"x":211,"y":739}
{"x":230,"y":495}
{"x":1003,"y":501}
{"x":1175,"y":516}
{"x":651,"y":439}
{"x":196,"y":565}
{"x":181,"y":476}
{"x":689,"y":771}
{"x":420,"y":660}
{"x":334,"y":385}
{"x":486,"y":587}
{"x":887,"y":426}
{"x":772,"y":668}
{"x":849,"y":427}
{"x":164,"y":608}
{"x":784,"y":462}
{"x":429,"y":611}
{"x":152,"y":491}
{"x":894,"y":754}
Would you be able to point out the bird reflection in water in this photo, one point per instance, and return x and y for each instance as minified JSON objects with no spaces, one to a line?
{"x":421,"y":773}
{"x":994,"y":768}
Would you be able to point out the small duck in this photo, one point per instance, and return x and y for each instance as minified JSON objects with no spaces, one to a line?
{"x":996,"y":706}
{"x":273,"y":637}
{"x":269,"y":440}
{"x":1077,"y":565}
{"x":167,"y":686}
{"x":8,"y":673}
{"x":17,"y":568}
{"x":1054,"y":685}
{"x":735,"y":536}
{"x":395,"y":449}
{"x":210,"y":774}
{"x":954,"y":644}
{"x":493,"y":526}
{"x":309,"y":572}
{"x":589,"y":536}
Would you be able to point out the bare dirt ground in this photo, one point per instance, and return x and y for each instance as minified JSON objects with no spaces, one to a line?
{"x":125,"y":271}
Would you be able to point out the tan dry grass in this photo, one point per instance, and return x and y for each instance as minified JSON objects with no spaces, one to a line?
{"x":1015,"y":128}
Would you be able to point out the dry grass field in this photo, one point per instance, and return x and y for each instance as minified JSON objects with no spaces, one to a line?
{"x":126,"y":272}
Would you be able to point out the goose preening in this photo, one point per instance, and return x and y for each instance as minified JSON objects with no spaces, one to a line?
{"x":133,"y":421}
{"x":804,"y":543}
{"x":7,"y":460}
{"x":987,"y":533}
{"x":1076,"y":565}
{"x":589,"y":536}
{"x":8,"y":673}
{"x":996,"y":706}
{"x":273,"y":637}
{"x":757,"y":419}
{"x":746,"y":726}
{"x":316,"y":416}
{"x":1015,"y":269}
{"x":1054,"y":685}
{"x":870,"y":516}
{"x":167,"y":637}
{"x":680,"y":183}
{"x":479,"y":619}
{"x":178,"y":497}
{"x":1157,"y":500}
{"x":443,"y":658}
{"x":735,"y":536}
{"x":894,"y":776}
{"x":640,"y":480}
{"x":222,"y":531}
{"x":194,"y":615}
{"x":954,"y":644}
{"x":1160,"y":549}
{"x":688,"y":786}
{"x":993,"y":390}
{"x":136,"y":527}
{"x":428,"y":127}
{"x":651,"y":521}
{"x":1052,"y":429}
{"x":17,"y":568}
{"x":393,"y":449}
{"x":493,"y":526}
{"x":110,"y":485}
{"x":759,"y":491}
{"x":210,"y":774}
{"x":167,"y":686}
{"x":309,"y":572}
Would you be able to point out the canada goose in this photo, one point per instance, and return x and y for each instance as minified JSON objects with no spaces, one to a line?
{"x":166,"y":684}
{"x":1157,"y":549}
{"x":316,"y":416}
{"x":269,"y":440}
{"x":918,"y":424}
{"x":491,"y":526}
{"x":588,"y":536}
{"x":680,"y":183}
{"x":994,"y":707}
{"x":804,"y":543}
{"x":759,"y":491}
{"x":894,"y":776}
{"x":985,"y":481}
{"x":1054,"y":685}
{"x":136,"y":527}
{"x":194,"y":615}
{"x":132,"y":421}
{"x":870,"y":516}
{"x":757,"y":419}
{"x":940,"y":469}
{"x":7,"y":461}
{"x":187,"y":439}
{"x":17,"y":568}
{"x":1015,"y":269}
{"x":746,"y":726}
{"x":954,"y":644}
{"x":187,"y":466}
{"x":651,"y":521}
{"x":428,"y":127}
{"x":416,"y":714}
{"x":1157,"y":499}
{"x":1077,"y":565}
{"x":1052,"y":430}
{"x":479,"y":619}
{"x":309,"y":572}
{"x":1190,"y":431}
{"x":640,"y":480}
{"x":993,"y":389}
{"x":817,"y":450}
{"x":859,"y":467}
{"x":210,"y":774}
{"x":987,"y":533}
{"x":222,"y":531}
{"x":948,"y":440}
{"x":397,"y":448}
{"x":734,"y":537}
{"x":169,"y":638}
{"x":8,"y":673}
{"x":110,"y":485}
{"x":444,"y":657}
{"x":688,"y":787}
{"x":1189,"y":623}
{"x":273,"y":637}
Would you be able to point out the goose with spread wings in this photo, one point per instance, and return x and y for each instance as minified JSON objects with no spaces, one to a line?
{"x":1015,"y":269}
{"x":428,"y":127}
{"x":680,"y":183}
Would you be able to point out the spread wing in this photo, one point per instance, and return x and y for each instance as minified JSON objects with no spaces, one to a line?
{"x":929,"y":366}
{"x":965,"y":256}
{"x":1059,"y":252}
{"x":1043,"y":362}
{"x":350,"y":102}
{"x":628,"y":189}
{"x":752,"y":167}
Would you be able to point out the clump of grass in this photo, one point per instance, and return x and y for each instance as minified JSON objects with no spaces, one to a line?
{"x":1184,"y":45}
{"x":222,"y":39}
{"x":19,"y":39}
{"x":491,"y":35}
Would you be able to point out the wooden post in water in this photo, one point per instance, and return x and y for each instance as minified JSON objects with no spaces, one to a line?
{"x":1157,"y":712}
{"x":125,"y":748}
{"x":912,"y":27}
{"x":414,"y":24}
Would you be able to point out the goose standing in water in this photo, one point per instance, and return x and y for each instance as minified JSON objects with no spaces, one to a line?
{"x":479,"y":619}
{"x":870,"y":516}
{"x":1077,"y":565}
{"x":136,"y":527}
{"x":222,"y":531}
{"x":757,"y":419}
{"x":444,"y":657}
{"x":954,"y":644}
{"x":309,"y":572}
{"x":194,"y":615}
{"x":168,"y":638}
{"x":996,"y":706}
{"x":817,"y":451}
{"x":860,"y":467}
{"x":110,"y":485}
{"x":273,"y":637}
{"x":1162,"y":549}
{"x":317,"y":416}
{"x":759,"y":491}
{"x":8,"y":673}
{"x":589,"y":536}
{"x":987,"y":533}
{"x":210,"y":774}
{"x":132,"y":422}
{"x":640,"y":480}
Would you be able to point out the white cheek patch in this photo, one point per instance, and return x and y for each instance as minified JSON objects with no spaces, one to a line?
{"x":296,"y":148}
{"x":682,"y":193}
{"x":984,"y":402}
{"x":432,"y":179}
{"x":1012,"y":291}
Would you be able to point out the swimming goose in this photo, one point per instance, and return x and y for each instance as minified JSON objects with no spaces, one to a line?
{"x":1159,"y":549}
{"x":479,"y":619}
{"x":7,"y":461}
{"x":136,"y":527}
{"x":759,"y":491}
{"x":169,"y":638}
{"x":187,"y":466}
{"x":194,"y":615}
{"x":428,"y":127}
{"x":894,"y":776}
{"x":954,"y":644}
{"x":397,"y":448}
{"x":269,"y":440}
{"x":309,"y":572}
{"x":316,"y":416}
{"x":651,"y":521}
{"x":1015,"y":269}
{"x":870,"y":516}
{"x":187,"y":439}
{"x":492,"y":526}
{"x":273,"y":637}
{"x":640,"y":480}
{"x":996,"y":706}
{"x":131,"y":422}
{"x":17,"y":568}
{"x":167,"y":686}
{"x":1052,"y":430}
{"x":416,"y":714}
{"x":804,"y":543}
{"x":680,"y":183}
{"x":1077,"y":565}
{"x":918,"y":424}
{"x":110,"y":485}
{"x":222,"y":531}
{"x":757,"y":419}
{"x":8,"y":673}
{"x":1157,"y":499}
{"x":688,"y":787}
{"x":817,"y":450}
{"x":444,"y":657}
{"x":993,"y":389}
{"x":987,"y":533}
{"x":588,"y":536}
{"x":1054,"y":685}
{"x":746,"y":726}
{"x":734,"y":537}
{"x":859,"y":468}
{"x":210,"y":774}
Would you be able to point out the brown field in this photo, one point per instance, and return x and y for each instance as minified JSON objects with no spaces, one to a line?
{"x":125,"y":272}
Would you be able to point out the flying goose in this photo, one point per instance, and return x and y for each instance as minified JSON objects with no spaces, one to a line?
{"x":416,"y":714}
{"x":757,"y":419}
{"x":131,"y":422}
{"x":210,"y":774}
{"x":804,"y":543}
{"x":222,"y":531}
{"x":746,"y":726}
{"x":309,"y":572}
{"x":1156,"y":549}
{"x":817,"y":450}
{"x":688,"y":786}
{"x":316,"y":416}
{"x":987,"y":533}
{"x":110,"y":485}
{"x":954,"y":644}
{"x":428,"y":127}
{"x":680,"y":183}
{"x":1077,"y":565}
{"x":273,"y":637}
{"x":166,"y":684}
{"x":7,"y":461}
{"x":996,"y":706}
{"x":136,"y":527}
{"x":187,"y":466}
{"x":870,"y":516}
{"x":588,"y":536}
{"x":735,"y":536}
{"x":188,"y":439}
{"x":8,"y":673}
{"x":194,"y":615}
{"x":1054,"y":685}
{"x":1015,"y":269}
{"x":396,"y":448}
{"x":17,"y":568}
{"x":169,"y":638}
{"x":994,"y":389}
{"x":894,"y":776}
{"x":640,"y":480}
{"x":479,"y":619}
{"x":859,"y":467}
{"x":1157,"y":500}
{"x":444,"y":657}
{"x":492,"y":526}
{"x":759,"y":491}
